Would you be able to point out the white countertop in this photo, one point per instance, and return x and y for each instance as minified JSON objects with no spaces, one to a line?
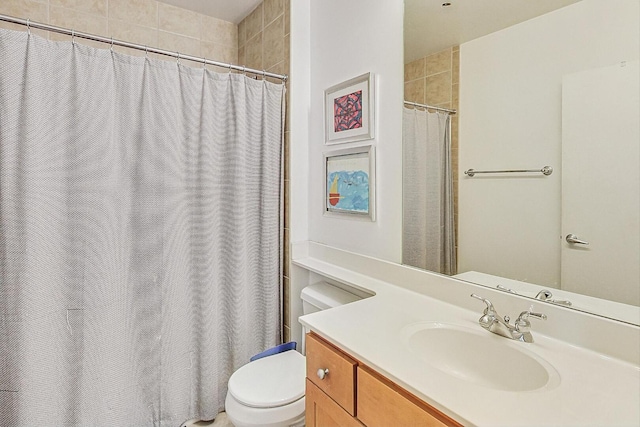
{"x":594,"y":389}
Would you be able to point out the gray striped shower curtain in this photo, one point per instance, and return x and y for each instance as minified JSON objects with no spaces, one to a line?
{"x":140,"y":234}
{"x":428,"y":225}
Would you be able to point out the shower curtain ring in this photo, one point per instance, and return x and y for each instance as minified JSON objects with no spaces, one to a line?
{"x":264,"y":74}
{"x":28,"y":26}
{"x":244,"y":70}
{"x":112,"y":44}
{"x":178,"y":58}
{"x":73,"y":37}
{"x":146,"y":51}
{"x":204,"y":62}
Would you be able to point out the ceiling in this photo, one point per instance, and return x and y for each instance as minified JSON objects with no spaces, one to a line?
{"x":227,"y":10}
{"x":429,"y":27}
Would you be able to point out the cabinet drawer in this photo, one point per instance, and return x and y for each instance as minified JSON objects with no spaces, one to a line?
{"x":339,"y":383}
{"x":382,"y":403}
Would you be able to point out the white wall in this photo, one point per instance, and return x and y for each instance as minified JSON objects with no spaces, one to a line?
{"x":350,"y":38}
{"x":510,"y":117}
{"x":333,"y":41}
{"x":300,"y":109}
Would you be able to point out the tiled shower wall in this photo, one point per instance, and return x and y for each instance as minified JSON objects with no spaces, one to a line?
{"x":263,"y":44}
{"x":146,"y":22}
{"x":435,"y":80}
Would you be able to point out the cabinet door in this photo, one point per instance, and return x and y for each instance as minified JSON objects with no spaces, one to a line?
{"x":382,"y":403}
{"x":322,"y":411}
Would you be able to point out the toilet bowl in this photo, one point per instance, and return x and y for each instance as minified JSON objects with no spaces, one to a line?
{"x":269,"y":392}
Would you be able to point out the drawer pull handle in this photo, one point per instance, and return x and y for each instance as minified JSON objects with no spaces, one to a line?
{"x":322,"y":373}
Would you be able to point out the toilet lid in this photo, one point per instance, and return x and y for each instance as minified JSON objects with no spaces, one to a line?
{"x":271,"y":381}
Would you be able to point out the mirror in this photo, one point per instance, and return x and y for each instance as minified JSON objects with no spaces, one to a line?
{"x":537,"y":84}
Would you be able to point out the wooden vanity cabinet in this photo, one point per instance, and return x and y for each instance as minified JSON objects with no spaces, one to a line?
{"x":352,"y":394}
{"x":323,"y":411}
{"x":340,"y":383}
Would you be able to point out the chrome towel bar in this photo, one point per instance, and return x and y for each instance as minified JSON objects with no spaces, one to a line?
{"x":547,"y":170}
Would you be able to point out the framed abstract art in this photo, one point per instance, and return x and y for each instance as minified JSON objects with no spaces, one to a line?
{"x":349,"y":114}
{"x":350,"y":182}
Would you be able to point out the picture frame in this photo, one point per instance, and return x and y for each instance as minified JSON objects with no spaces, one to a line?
{"x":349,"y":110}
{"x":349,"y":189}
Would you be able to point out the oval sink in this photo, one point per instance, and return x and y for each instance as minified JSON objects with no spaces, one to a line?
{"x":479,"y":357}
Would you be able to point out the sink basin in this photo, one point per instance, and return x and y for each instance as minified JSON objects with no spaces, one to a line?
{"x":479,"y":357}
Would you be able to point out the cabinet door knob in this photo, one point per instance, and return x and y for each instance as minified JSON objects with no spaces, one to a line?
{"x":322,"y":373}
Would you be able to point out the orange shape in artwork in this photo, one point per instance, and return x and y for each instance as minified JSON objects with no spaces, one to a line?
{"x":334,"y":196}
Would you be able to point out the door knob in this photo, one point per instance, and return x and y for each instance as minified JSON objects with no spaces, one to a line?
{"x":572,"y":238}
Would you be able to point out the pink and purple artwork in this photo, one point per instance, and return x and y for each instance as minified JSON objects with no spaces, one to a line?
{"x":347,"y":112}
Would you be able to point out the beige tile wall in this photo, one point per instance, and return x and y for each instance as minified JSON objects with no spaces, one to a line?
{"x":146,"y":22}
{"x":263,"y":44}
{"x":435,"y":80}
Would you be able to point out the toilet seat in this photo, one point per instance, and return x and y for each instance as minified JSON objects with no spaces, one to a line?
{"x":270,"y":382}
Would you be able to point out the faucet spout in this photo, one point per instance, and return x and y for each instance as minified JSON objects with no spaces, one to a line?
{"x":545,"y":295}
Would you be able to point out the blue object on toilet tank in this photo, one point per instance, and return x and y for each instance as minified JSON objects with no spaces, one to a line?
{"x":275,"y":350}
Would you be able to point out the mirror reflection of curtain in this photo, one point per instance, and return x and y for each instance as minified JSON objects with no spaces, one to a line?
{"x":428,"y":239}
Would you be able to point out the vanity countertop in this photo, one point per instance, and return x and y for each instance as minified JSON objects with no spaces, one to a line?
{"x":590,"y":388}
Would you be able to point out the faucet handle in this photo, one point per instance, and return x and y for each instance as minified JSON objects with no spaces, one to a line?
{"x":502,"y":288}
{"x":522,"y":323}
{"x":525,"y":315}
{"x":490,"y":308}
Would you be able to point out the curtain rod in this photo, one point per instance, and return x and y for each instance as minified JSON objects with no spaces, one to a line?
{"x":446,"y":110}
{"x":113,"y":42}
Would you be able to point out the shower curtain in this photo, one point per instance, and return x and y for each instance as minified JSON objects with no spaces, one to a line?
{"x":428,"y":227}
{"x":140,"y":234}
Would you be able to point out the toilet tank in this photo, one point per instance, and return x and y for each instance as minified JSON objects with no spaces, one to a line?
{"x":322,"y":295}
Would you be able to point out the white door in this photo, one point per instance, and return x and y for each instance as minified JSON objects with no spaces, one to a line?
{"x":601,"y":181}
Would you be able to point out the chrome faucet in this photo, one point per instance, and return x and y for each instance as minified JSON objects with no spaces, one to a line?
{"x":545,"y":295}
{"x":519,"y":331}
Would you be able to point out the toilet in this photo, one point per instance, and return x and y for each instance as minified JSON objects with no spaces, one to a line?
{"x":269,"y":392}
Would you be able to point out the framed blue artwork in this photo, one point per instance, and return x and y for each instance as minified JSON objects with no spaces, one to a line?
{"x":350,"y":182}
